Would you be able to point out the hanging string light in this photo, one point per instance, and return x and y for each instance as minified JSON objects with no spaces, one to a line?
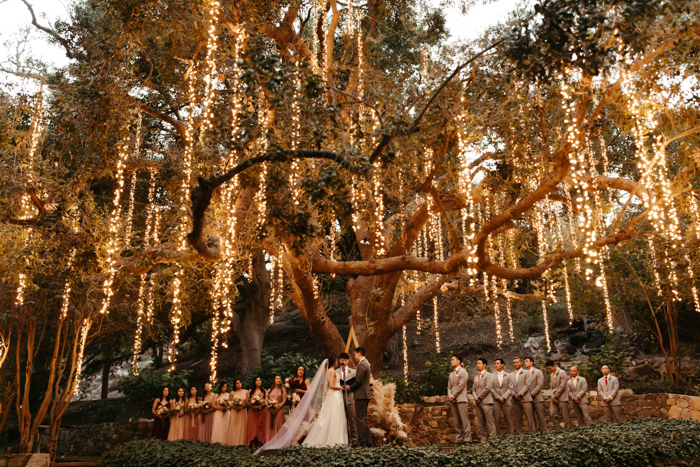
{"x":379,"y":246}
{"x":602,"y":282}
{"x":21,"y":287}
{"x":436,"y":323}
{"x":273,"y":291}
{"x":497,"y":313}
{"x":295,"y":137}
{"x":691,"y":276}
{"x":546,"y":326}
{"x":140,"y":317}
{"x":65,"y":299}
{"x":405,"y":344}
{"x":216,"y":312}
{"x":132,"y":189}
{"x":84,"y":328}
{"x":27,"y":208}
{"x":114,"y":228}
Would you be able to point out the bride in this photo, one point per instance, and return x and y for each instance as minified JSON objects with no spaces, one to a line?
{"x":330,"y":427}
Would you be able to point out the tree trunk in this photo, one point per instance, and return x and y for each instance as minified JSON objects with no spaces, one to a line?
{"x":106,"y":367}
{"x":250,"y":324}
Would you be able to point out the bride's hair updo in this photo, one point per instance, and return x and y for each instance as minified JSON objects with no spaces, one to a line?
{"x":331,"y":361}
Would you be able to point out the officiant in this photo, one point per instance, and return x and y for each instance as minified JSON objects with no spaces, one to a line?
{"x":347,"y":378}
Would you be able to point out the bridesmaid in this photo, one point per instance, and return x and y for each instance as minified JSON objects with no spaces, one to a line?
{"x":279,"y":394}
{"x":207,"y":416}
{"x":161,"y":423}
{"x":302,"y":382}
{"x":237,"y":428}
{"x":219,"y":431}
{"x":256,"y":418}
{"x":177,"y":423}
{"x":193,"y":419}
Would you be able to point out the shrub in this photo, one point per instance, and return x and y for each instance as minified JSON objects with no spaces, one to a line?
{"x":634,"y":443}
{"x":285,"y":365}
{"x":435,"y":378}
{"x":405,"y":391}
{"x":105,"y":412}
{"x":140,"y":391}
{"x":612,"y":353}
{"x":655,"y":384}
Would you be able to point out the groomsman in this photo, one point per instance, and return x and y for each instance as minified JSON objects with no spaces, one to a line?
{"x":363,"y":394}
{"x":608,"y":388}
{"x":578,"y":394}
{"x":348,"y":374}
{"x":501,"y":393}
{"x":522,"y":400}
{"x":560,"y":396}
{"x":484,"y":402}
{"x":536,"y":392}
{"x":459,"y":399}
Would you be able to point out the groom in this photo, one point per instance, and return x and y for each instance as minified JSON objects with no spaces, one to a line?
{"x":363,"y":394}
{"x":347,"y":376}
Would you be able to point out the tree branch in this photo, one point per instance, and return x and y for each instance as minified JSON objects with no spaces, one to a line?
{"x":70,"y":53}
{"x":387,"y":138}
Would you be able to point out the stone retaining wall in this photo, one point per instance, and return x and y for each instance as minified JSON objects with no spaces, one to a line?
{"x":93,"y":440}
{"x":432,"y":421}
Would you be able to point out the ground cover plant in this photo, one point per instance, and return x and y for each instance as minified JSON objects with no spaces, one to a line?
{"x":634,"y":443}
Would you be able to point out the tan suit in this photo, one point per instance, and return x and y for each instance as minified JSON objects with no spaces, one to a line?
{"x":345,"y":374}
{"x":457,"y":388}
{"x":484,"y":409}
{"x":521,"y":385}
{"x":578,"y":387}
{"x":613,"y":409}
{"x":560,"y":390}
{"x":504,"y":389}
{"x":537,"y":399}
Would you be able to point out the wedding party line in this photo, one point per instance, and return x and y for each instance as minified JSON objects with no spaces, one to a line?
{"x":322,"y":410}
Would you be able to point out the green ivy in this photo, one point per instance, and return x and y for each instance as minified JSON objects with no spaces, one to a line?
{"x":634,"y":443}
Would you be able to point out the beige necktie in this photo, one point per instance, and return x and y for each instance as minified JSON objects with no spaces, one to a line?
{"x":500,"y":378}
{"x":517,"y":373}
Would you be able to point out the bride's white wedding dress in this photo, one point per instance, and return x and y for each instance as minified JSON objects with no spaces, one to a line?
{"x":331,"y":427}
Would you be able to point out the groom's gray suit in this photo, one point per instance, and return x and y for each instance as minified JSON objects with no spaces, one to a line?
{"x":363,"y":394}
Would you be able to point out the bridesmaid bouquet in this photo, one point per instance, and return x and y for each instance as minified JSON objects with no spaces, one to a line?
{"x":295,"y":398}
{"x":238,"y":402}
{"x":256,"y":401}
{"x":163,"y":412}
{"x":271,"y":405}
{"x":223,"y":403}
{"x":206,"y":405}
{"x":291,"y":383}
{"x":177,"y":408}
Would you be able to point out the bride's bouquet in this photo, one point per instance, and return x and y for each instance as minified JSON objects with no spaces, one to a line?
{"x":256,"y":402}
{"x":163,"y":412}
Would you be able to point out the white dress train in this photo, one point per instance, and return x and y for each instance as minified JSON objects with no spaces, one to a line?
{"x":331,"y":427}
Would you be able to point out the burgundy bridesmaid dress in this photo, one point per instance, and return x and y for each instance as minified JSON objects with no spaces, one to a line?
{"x":161,"y":427}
